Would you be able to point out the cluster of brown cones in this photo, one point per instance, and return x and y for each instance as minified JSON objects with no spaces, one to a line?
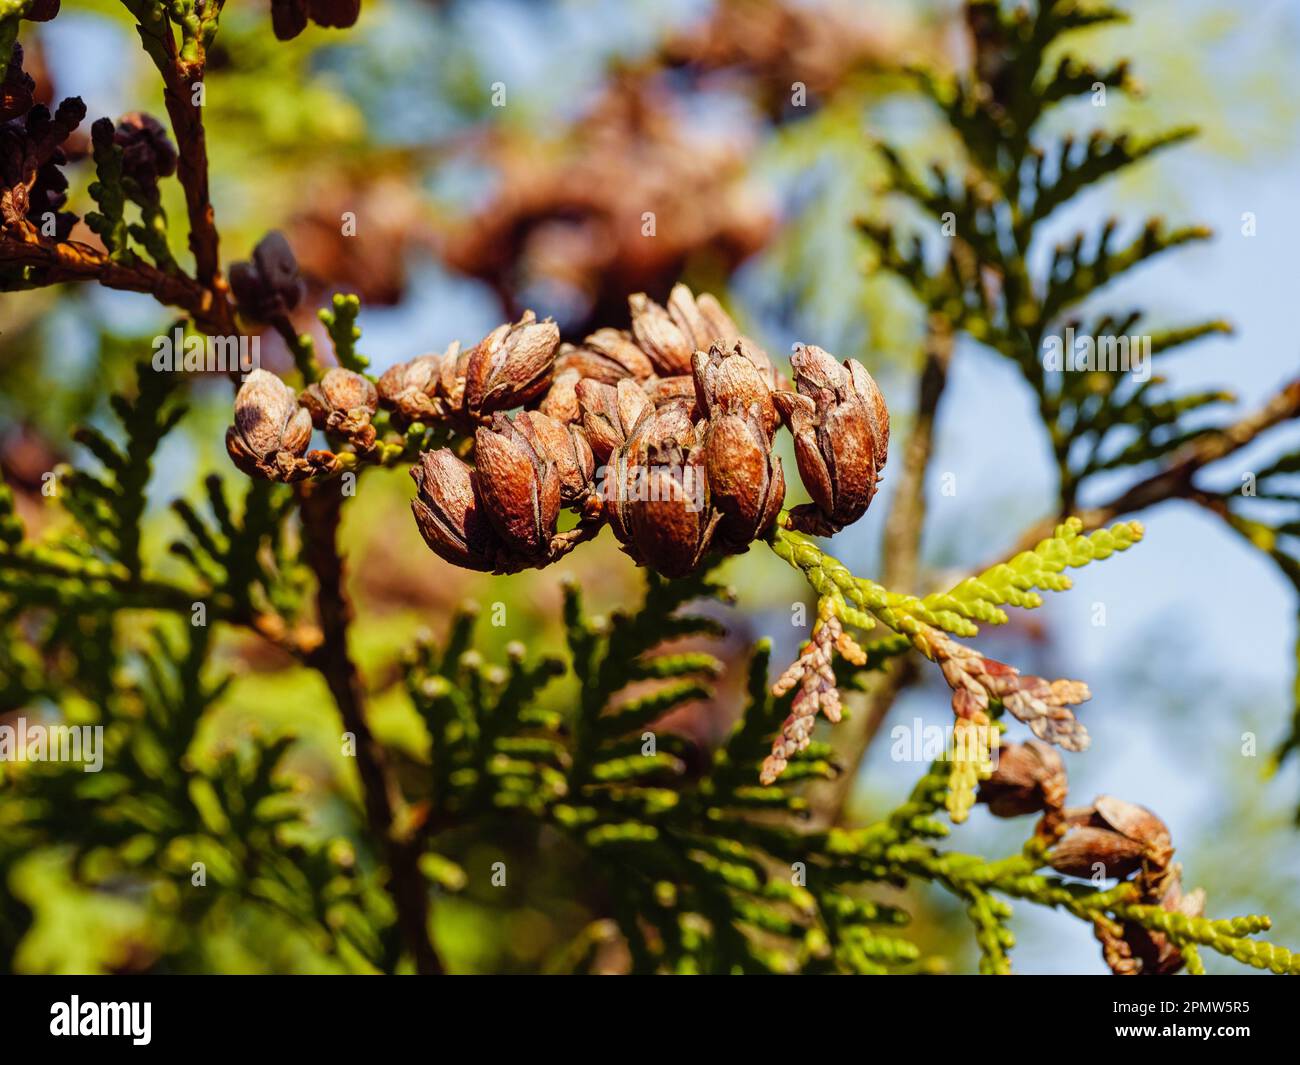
{"x":663,"y":432}
{"x":1110,"y":839}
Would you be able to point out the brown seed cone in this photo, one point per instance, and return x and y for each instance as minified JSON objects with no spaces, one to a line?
{"x":663,"y":390}
{"x":561,"y":399}
{"x":519,"y":487}
{"x":701,"y":319}
{"x":510,"y":367}
{"x":607,"y":355}
{"x":1117,"y":835}
{"x":564,"y":445}
{"x":450,"y":512}
{"x":657,"y":493}
{"x":727,"y":380}
{"x":343,"y":401}
{"x":1154,"y":951}
{"x":609,"y":413}
{"x":411,"y":389}
{"x":271,"y":431}
{"x":659,"y":336}
{"x":841,"y":428}
{"x":1029,"y":778}
{"x":746,"y":482}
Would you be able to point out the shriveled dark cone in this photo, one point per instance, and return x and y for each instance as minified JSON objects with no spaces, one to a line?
{"x":1029,"y":778}
{"x":659,"y":493}
{"x":336,"y":14}
{"x":841,"y":433}
{"x":271,"y":431}
{"x":289,"y":17}
{"x":147,"y":151}
{"x":343,"y":401}
{"x":411,"y":389}
{"x":520,"y":487}
{"x":18,"y":90}
{"x":270,"y":285}
{"x":1154,"y":951}
{"x":610,"y":413}
{"x":511,"y":366}
{"x":1119,"y":836}
{"x":450,"y":514}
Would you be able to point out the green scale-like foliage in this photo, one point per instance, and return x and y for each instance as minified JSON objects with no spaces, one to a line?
{"x":993,"y":218}
{"x":698,"y":885}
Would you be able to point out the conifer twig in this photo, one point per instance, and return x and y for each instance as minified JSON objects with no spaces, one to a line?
{"x":182,"y":68}
{"x":1174,"y":480}
{"x":74,"y":261}
{"x":320,"y":515}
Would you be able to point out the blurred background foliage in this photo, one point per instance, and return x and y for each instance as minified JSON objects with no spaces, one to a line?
{"x":393,"y":120}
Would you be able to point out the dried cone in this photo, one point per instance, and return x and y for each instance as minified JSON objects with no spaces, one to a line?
{"x":1154,"y":952}
{"x":270,"y":285}
{"x":343,"y":401}
{"x":1117,"y":836}
{"x":608,"y":355}
{"x":561,"y":400}
{"x":731,"y":379}
{"x":669,"y":348}
{"x":657,"y":495}
{"x":610,"y":413}
{"x":841,"y":433}
{"x":411,"y":389}
{"x":147,"y":152}
{"x":271,"y":431}
{"x":450,"y":513}
{"x":1029,"y":778}
{"x":511,"y":366}
{"x":746,"y":482}
{"x":519,"y":486}
{"x":566,"y":447}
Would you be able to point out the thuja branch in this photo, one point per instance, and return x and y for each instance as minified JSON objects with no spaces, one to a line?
{"x":182,"y":65}
{"x":320,"y":508}
{"x":1176,"y":479}
{"x":979,"y":684}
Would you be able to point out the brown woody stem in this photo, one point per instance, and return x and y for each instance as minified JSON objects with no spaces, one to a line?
{"x":320,"y":507}
{"x":75,"y":261}
{"x":1175,"y":480}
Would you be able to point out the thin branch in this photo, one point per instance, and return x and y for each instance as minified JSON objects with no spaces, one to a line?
{"x":321,"y":507}
{"x":75,"y":261}
{"x":182,"y":69}
{"x":1174,"y":480}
